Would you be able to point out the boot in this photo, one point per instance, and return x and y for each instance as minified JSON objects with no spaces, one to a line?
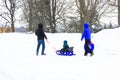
{"x":92,"y":54}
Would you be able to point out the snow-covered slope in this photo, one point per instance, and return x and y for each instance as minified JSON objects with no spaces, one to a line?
{"x":19,"y":62}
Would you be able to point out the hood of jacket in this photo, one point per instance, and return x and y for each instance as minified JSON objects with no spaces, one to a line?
{"x":86,"y":25}
{"x":40,"y":26}
{"x":65,"y":42}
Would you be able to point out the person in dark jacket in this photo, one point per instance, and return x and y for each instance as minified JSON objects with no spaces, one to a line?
{"x":40,"y":37}
{"x":65,"y":47}
{"x":87,"y":35}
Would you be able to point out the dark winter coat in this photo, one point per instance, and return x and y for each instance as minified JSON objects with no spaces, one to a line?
{"x":40,"y":33}
{"x":87,"y":32}
{"x":65,"y":45}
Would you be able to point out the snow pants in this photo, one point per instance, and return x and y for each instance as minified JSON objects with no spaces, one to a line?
{"x":87,"y":49}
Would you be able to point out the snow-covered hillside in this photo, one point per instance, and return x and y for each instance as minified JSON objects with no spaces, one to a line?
{"x":18,"y":60}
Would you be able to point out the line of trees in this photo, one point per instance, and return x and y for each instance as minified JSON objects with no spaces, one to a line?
{"x":8,"y":8}
{"x":57,"y":15}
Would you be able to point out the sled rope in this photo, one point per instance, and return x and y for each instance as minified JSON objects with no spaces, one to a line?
{"x":54,"y":49}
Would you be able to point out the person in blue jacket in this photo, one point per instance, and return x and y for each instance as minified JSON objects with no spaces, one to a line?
{"x":40,"y":37}
{"x":65,"y":47}
{"x":87,"y":35}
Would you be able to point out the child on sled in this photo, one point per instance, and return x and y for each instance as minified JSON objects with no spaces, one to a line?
{"x":65,"y":47}
{"x":66,"y":50}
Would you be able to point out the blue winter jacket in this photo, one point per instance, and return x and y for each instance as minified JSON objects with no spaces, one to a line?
{"x":87,"y":32}
{"x":65,"y":45}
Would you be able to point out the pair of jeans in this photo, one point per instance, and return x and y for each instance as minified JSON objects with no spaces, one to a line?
{"x":38,"y":46}
{"x":87,"y":49}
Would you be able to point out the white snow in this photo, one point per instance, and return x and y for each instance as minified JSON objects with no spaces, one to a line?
{"x":18,"y":60}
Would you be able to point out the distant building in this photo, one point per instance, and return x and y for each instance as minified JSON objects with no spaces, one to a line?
{"x":5,"y":29}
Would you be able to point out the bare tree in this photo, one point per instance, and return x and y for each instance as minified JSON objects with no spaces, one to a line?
{"x":27,"y":8}
{"x":34,"y":12}
{"x":57,"y":13}
{"x":49,"y":12}
{"x":8,"y":14}
{"x":53,"y":12}
{"x":119,"y":12}
{"x":92,"y":10}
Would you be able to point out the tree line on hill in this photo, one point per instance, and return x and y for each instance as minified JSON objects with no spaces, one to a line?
{"x":57,"y":15}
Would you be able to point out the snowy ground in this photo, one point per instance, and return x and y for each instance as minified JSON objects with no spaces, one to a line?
{"x":19,"y":62}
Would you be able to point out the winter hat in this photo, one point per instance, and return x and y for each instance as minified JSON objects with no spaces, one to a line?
{"x":40,"y":25}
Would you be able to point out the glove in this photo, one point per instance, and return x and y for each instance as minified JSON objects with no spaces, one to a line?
{"x":81,"y":39}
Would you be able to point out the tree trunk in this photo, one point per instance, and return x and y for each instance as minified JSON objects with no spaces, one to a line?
{"x":119,"y":12}
{"x":30,"y":15}
{"x":13,"y":27}
{"x":52,"y":11}
{"x":53,"y":15}
{"x":82,"y":12}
